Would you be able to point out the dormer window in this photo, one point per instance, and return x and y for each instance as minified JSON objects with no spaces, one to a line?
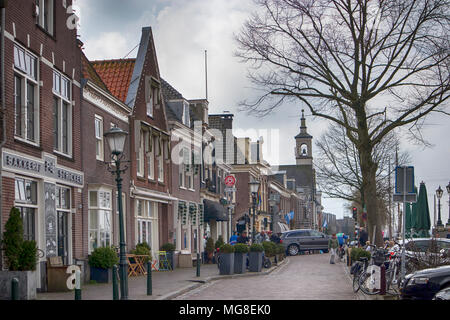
{"x":152,"y":98}
{"x":186,"y":114}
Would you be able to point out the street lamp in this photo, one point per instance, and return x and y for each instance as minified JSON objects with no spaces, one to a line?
{"x":448,"y":191}
{"x":439,"y":193}
{"x":254,"y":186}
{"x":116,"y":139}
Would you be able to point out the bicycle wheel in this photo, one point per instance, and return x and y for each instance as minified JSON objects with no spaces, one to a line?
{"x":366,"y":283}
{"x":356,"y":282}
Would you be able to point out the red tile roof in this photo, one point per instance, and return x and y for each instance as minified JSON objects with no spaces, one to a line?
{"x":116,"y":74}
{"x":90,"y":73}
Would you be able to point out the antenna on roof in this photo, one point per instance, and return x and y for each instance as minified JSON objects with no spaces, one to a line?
{"x":206,"y":73}
{"x":130,"y":51}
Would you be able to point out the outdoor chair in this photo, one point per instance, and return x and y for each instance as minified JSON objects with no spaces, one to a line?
{"x":132,"y":265}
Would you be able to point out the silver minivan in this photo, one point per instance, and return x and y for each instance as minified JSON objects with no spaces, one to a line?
{"x":304,"y":239}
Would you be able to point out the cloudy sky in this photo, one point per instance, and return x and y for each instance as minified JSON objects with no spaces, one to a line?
{"x":184,"y":29}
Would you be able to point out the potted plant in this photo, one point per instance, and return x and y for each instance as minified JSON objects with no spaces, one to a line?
{"x":255,"y":257}
{"x":101,"y":261}
{"x":226,"y":265}
{"x":169,"y":248}
{"x":357,"y":253}
{"x":143,"y":249}
{"x":219,"y":243}
{"x":240,"y":257}
{"x":21,"y":259}
{"x":209,"y":249}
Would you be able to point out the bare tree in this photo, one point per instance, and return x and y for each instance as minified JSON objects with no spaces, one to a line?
{"x":369,"y":66}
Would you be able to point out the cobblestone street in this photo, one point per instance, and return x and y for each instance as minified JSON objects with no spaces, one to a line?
{"x":304,"y":277}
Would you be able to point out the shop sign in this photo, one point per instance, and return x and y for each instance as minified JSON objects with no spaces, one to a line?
{"x":46,"y":167}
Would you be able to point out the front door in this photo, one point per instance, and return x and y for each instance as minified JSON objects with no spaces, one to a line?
{"x":63,"y":237}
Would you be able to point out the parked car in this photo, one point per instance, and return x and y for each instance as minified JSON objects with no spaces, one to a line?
{"x":304,"y":239}
{"x":444,"y":294}
{"x":426,"y":251}
{"x":425,"y":284}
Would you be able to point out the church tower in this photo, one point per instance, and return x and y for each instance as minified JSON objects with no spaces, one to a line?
{"x":303,"y":146}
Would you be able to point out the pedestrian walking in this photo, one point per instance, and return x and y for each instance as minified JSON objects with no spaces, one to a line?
{"x":243,"y":238}
{"x":233,"y":239}
{"x":363,"y":237}
{"x":333,"y":244}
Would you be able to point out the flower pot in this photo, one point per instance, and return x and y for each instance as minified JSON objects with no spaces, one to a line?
{"x":255,"y":261}
{"x":240,"y":262}
{"x":100,"y":275}
{"x":226,"y":265}
{"x":27,"y":284}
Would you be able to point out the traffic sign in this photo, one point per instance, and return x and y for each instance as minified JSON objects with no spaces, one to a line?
{"x":230,"y":189}
{"x":230,"y":181}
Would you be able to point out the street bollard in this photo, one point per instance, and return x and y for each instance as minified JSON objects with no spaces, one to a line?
{"x":115,"y":284}
{"x":382,"y":280}
{"x":149,"y":278}
{"x":198,"y":264}
{"x":77,"y":285}
{"x":15,"y":289}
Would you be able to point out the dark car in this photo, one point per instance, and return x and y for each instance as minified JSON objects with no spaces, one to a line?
{"x":424,"y":284}
{"x":304,"y":239}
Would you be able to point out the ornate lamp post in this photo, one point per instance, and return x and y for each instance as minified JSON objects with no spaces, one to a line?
{"x":254,"y":186}
{"x":439,"y":193}
{"x":116,"y":140}
{"x":448,"y":191}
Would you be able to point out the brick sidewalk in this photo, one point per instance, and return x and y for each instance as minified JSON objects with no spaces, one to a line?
{"x":165,"y":284}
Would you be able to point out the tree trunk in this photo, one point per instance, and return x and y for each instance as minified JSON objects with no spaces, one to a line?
{"x":368,"y":171}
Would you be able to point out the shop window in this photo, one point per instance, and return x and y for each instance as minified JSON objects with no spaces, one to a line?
{"x":99,"y":219}
{"x":26,"y":203}
{"x":63,"y":215}
{"x":147,"y":222}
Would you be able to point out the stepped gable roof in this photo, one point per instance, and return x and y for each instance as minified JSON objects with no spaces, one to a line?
{"x":116,"y":74}
{"x":89,"y":73}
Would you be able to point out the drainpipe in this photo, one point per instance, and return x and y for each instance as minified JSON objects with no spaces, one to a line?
{"x":3,"y":4}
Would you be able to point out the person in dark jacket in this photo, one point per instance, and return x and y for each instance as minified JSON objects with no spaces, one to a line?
{"x":243,"y":238}
{"x":363,"y":237}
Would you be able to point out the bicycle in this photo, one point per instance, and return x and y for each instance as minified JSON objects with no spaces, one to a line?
{"x":359,"y":269}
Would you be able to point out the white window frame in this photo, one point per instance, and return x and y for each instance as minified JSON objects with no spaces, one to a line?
{"x":99,"y":208}
{"x":26,"y":69}
{"x":152,"y":96}
{"x":161,"y":162}
{"x":148,"y":218}
{"x":41,"y":7}
{"x":99,"y":143}
{"x":24,"y":203}
{"x":151,"y":159}
{"x":62,"y":101}
{"x":140,"y":157}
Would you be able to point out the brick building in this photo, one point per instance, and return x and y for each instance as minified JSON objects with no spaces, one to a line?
{"x":187,"y":227}
{"x":136,"y":82}
{"x":41,"y":158}
{"x":101,"y":111}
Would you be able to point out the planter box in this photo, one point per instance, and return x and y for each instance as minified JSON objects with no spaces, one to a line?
{"x":100,"y":275}
{"x":240,"y":262}
{"x":255,"y":261}
{"x":27,"y":284}
{"x":226,"y":265}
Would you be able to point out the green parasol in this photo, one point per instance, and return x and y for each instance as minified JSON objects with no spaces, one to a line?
{"x":410,"y":218}
{"x":422,"y":223}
